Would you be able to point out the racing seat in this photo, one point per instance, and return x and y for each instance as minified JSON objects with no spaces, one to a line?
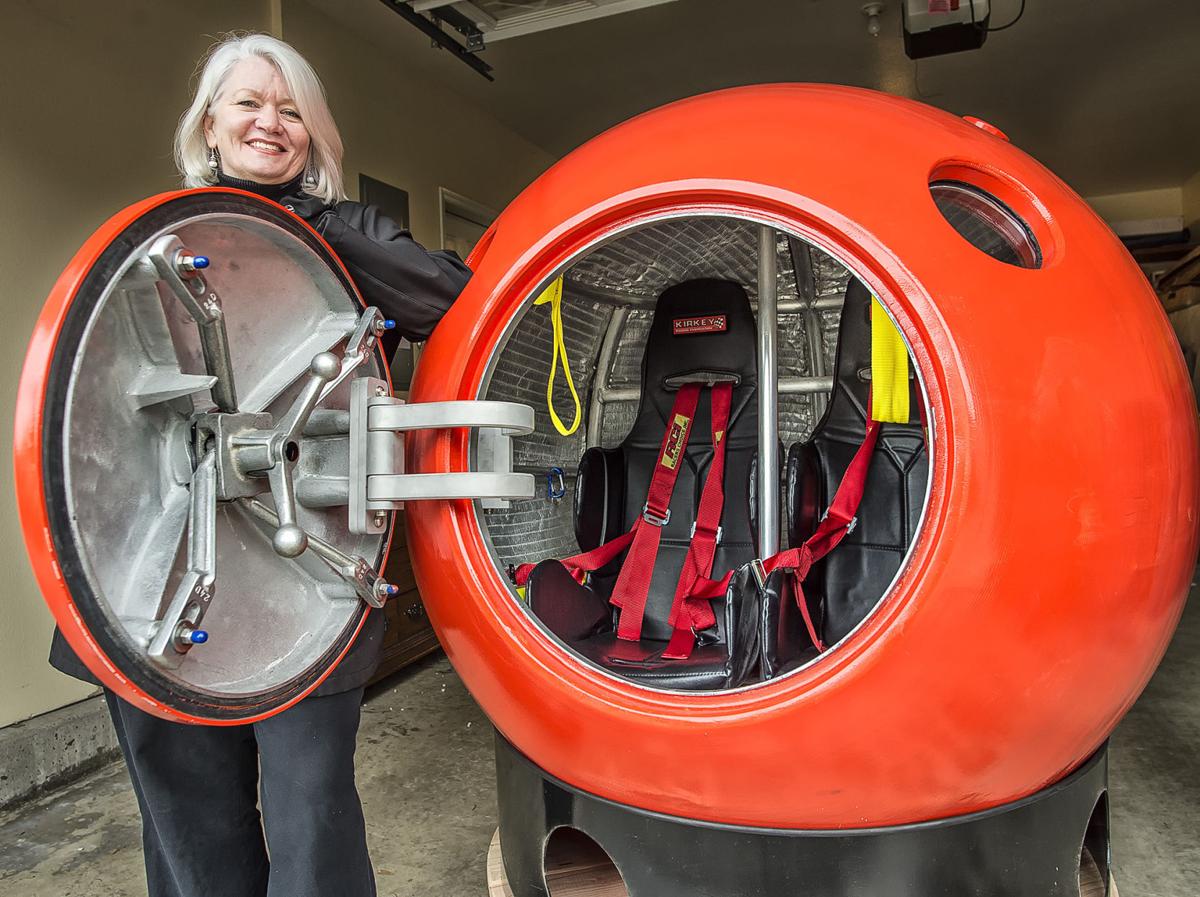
{"x":703,"y":331}
{"x":845,"y":585}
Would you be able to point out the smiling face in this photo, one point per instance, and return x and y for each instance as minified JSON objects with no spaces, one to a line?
{"x":256,"y":126}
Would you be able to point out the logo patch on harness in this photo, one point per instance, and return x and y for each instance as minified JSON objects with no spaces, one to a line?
{"x":702,"y":324}
{"x":675,"y":441}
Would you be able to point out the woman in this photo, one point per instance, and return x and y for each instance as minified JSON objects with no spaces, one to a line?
{"x":259,"y":122}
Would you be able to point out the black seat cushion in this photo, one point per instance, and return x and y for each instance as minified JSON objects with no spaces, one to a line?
{"x":581,"y":618}
{"x":847,"y":584}
{"x":700,"y":327}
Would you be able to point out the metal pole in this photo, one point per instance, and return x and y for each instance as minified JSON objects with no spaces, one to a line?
{"x":608,"y":346}
{"x":768,"y":397}
{"x":786,"y":386}
{"x":807,"y":288}
{"x":805,"y":386}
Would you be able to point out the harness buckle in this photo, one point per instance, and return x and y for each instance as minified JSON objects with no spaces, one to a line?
{"x":849,"y":526}
{"x":759,"y":572}
{"x":692,"y":535}
{"x":653,"y":519}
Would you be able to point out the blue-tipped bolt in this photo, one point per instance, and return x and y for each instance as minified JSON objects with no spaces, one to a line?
{"x":386,"y":589}
{"x":186,"y":636}
{"x":389,"y":324}
{"x":189,"y":263}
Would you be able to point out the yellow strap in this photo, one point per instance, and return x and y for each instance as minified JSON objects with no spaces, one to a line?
{"x":889,"y":369}
{"x":552,"y":295}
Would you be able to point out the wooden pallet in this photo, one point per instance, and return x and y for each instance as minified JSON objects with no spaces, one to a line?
{"x":580,"y":869}
{"x":1090,"y":882}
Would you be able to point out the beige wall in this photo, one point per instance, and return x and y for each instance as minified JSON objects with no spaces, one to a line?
{"x":1143,"y":205}
{"x":412,"y":134}
{"x":1191,"y":201}
{"x":89,"y":95}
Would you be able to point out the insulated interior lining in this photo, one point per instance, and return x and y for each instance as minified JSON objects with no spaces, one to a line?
{"x":632,"y":269}
{"x":642,"y":263}
{"x":540,"y":527}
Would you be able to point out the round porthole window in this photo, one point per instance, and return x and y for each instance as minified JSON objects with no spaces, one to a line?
{"x":987,"y":223}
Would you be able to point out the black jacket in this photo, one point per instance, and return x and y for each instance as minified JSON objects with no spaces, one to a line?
{"x":393,"y":271}
{"x":406,"y":282}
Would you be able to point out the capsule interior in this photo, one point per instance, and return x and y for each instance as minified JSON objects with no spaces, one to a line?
{"x":609,"y":299}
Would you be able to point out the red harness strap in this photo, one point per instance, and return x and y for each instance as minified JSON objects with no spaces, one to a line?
{"x":658,"y":500}
{"x":837,"y":522}
{"x":579,"y":565}
{"x":690,"y":614}
{"x":834,"y":526}
{"x":690,"y":610}
{"x":633,"y":582}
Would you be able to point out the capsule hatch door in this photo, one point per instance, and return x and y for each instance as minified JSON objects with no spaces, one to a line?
{"x":209,"y":457}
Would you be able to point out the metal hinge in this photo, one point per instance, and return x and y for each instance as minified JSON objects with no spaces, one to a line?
{"x":378,"y":481}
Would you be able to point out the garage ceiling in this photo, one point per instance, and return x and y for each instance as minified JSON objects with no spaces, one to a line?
{"x":1104,"y":92}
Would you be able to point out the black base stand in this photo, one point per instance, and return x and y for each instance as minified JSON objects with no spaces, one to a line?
{"x":1029,"y":848}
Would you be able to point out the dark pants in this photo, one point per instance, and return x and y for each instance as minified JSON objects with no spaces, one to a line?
{"x":198,"y":788}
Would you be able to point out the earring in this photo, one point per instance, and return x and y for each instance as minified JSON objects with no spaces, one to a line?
{"x":214,"y":161}
{"x":310,"y":178}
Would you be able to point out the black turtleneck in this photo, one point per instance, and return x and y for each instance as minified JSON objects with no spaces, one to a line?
{"x":274,"y":192}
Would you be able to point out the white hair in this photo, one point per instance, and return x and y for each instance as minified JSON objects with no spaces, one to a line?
{"x":323,"y":171}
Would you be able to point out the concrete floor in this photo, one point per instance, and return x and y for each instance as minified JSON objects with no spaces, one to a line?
{"x":424,"y":770}
{"x":425,"y":774}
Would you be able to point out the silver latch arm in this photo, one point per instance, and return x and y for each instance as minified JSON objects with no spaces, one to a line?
{"x":359,"y":346}
{"x":276,"y":453}
{"x":324,"y":367}
{"x":175,"y":267}
{"x":179,"y":628}
{"x":367,"y":584}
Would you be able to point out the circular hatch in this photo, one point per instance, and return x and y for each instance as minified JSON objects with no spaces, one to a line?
{"x":182,"y":448}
